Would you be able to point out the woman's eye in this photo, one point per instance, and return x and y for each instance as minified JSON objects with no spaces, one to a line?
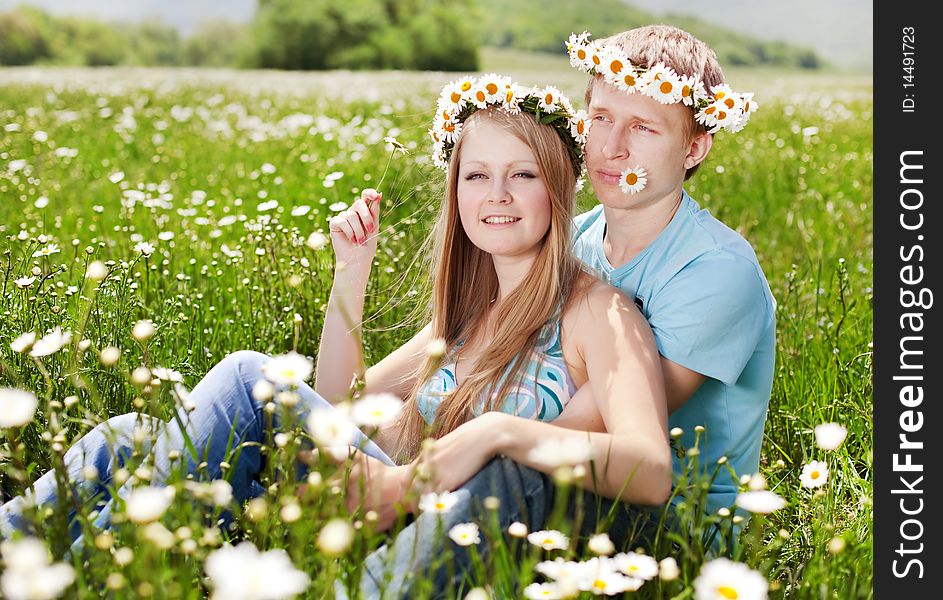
{"x":474,"y":176}
{"x":525,"y":175}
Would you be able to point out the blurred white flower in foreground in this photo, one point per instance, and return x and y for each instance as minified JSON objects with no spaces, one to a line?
{"x":565,"y":452}
{"x":147,"y":504}
{"x":464,"y":534}
{"x":29,"y":574}
{"x":829,"y":436}
{"x":601,"y":544}
{"x":23,"y":342}
{"x":331,"y":426}
{"x":637,"y":565}
{"x":722,"y":578}
{"x":17,"y":407}
{"x":24,"y":282}
{"x":51,"y":343}
{"x":143,"y":330}
{"x":761,"y":502}
{"x":317,"y":241}
{"x":549,"y":539}
{"x":336,"y":537}
{"x":376,"y":410}
{"x":288,"y":369}
{"x":244,"y":573}
{"x":145,"y":248}
{"x":814,"y":474}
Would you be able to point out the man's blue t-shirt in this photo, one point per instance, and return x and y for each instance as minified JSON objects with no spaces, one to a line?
{"x":708,"y":303}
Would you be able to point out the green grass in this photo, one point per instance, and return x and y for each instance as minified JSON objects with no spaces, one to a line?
{"x":796,"y":183}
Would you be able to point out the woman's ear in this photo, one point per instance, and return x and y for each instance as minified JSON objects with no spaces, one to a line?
{"x":701,"y":144}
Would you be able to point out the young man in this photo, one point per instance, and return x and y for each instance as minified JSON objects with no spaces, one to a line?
{"x":696,"y":281}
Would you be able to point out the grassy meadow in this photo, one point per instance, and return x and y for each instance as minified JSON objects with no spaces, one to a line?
{"x":197,"y":191}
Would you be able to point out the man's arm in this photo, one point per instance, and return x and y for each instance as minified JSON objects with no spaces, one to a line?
{"x":582,"y":414}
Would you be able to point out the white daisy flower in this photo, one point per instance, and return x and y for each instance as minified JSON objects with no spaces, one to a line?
{"x":437,"y":503}
{"x":23,"y":342}
{"x":479,"y":95}
{"x":513,"y":95}
{"x":594,"y":56}
{"x":17,"y":407}
{"x":494,"y":86}
{"x":446,"y":130}
{"x":517,"y":529}
{"x":465,"y":534}
{"x":24,"y":282}
{"x":547,"y":98}
{"x":549,"y":539}
{"x":629,"y":81}
{"x":637,"y":565}
{"x":814,"y":474}
{"x":46,"y":251}
{"x":244,"y":573}
{"x":662,"y":84}
{"x":613,"y":64}
{"x":376,"y":410}
{"x":451,"y":97}
{"x":721,"y":579}
{"x":51,"y":343}
{"x":608,"y":582}
{"x":331,"y":426}
{"x":543,"y":591}
{"x":145,"y":248}
{"x":692,"y":90}
{"x":760,"y":502}
{"x":634,"y":180}
{"x":288,"y":369}
{"x":579,"y":126}
{"x":828,"y":436}
{"x":438,"y":155}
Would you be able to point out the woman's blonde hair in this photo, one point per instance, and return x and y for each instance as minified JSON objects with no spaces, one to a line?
{"x":464,"y":284}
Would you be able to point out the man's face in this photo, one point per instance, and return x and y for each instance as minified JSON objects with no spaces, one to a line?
{"x":633,"y":130}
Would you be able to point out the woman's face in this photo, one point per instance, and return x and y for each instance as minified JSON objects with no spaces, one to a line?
{"x":502,"y":199}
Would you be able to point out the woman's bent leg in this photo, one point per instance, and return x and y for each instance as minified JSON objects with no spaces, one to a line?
{"x":224,"y":416}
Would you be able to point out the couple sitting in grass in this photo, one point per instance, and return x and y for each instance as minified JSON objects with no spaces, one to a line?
{"x":595,"y":334}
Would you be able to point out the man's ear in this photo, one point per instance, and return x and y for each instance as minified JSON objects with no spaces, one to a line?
{"x":701,"y":144}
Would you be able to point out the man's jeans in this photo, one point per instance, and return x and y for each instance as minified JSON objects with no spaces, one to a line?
{"x":226,"y":416}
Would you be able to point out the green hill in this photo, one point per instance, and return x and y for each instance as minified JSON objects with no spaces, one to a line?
{"x":543,"y":25}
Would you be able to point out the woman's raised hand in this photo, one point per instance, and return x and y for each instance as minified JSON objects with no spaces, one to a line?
{"x":354,"y":233}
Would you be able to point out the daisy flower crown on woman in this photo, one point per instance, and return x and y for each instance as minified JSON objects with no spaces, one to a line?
{"x":722,"y":108}
{"x":462,"y":97}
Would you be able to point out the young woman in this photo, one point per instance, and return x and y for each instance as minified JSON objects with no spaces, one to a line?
{"x":523,"y":325}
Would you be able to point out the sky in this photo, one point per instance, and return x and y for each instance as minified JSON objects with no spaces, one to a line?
{"x":840,"y":31}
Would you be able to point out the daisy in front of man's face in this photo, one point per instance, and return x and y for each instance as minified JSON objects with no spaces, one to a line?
{"x":636,"y":147}
{"x":502,"y":200}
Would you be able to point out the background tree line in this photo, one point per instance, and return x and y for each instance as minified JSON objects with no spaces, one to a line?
{"x":357,"y":34}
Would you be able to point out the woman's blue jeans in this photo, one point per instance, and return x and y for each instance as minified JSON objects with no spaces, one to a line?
{"x":226,"y":415}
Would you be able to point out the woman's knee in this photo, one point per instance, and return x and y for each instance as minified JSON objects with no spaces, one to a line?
{"x":246,"y":361}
